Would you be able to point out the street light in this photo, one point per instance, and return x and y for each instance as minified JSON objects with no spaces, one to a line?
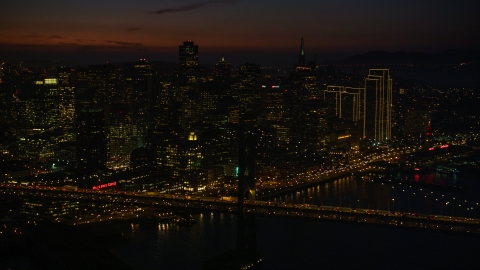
{"x":393,"y":207}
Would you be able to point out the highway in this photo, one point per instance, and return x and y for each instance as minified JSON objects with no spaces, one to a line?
{"x":305,"y":211}
{"x":359,"y":165}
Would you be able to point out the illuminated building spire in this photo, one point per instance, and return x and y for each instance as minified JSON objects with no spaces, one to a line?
{"x":222,"y":70}
{"x":429,"y":136}
{"x":429,"y":130}
{"x":301,"y":58}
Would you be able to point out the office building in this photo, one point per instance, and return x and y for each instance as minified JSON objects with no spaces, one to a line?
{"x":140,"y":89}
{"x":378,"y":105}
{"x":301,"y":57}
{"x":429,"y":137}
{"x":222,"y":71}
{"x":188,"y":61}
{"x":303,"y":83}
{"x":91,"y":140}
{"x":250,"y":76}
{"x":310,"y":131}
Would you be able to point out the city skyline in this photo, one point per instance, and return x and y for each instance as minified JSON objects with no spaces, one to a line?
{"x":120,"y":31}
{"x":128,"y":143}
{"x":122,"y":121}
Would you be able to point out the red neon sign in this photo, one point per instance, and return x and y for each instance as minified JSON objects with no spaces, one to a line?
{"x":444,"y":146}
{"x":431,"y":148}
{"x":111,"y":184}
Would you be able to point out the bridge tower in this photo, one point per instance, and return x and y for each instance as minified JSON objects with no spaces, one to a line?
{"x":245,"y":255}
{"x":246,"y":237}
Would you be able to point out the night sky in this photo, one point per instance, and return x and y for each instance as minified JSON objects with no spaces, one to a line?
{"x":120,"y":30}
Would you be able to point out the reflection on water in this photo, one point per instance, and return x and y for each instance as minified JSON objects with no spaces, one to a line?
{"x":397,"y":192}
{"x":296,"y":244}
{"x":153,"y":245}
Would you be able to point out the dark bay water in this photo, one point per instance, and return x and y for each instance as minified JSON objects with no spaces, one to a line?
{"x":429,"y":193}
{"x":303,"y":244}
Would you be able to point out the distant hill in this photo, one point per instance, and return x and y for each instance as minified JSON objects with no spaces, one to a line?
{"x":467,"y":56}
{"x":44,"y":63}
{"x":453,"y":68}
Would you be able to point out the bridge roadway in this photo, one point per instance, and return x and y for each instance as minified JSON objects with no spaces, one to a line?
{"x":358,"y":166}
{"x":269,"y":192}
{"x":263,"y":208}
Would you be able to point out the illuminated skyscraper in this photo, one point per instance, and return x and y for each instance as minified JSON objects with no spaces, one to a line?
{"x":250,"y":76}
{"x":352,"y":104}
{"x":304,"y":82}
{"x":301,"y":58}
{"x":188,"y":60}
{"x":91,"y":139}
{"x":345,"y":111}
{"x":250,"y":73}
{"x":346,"y":103}
{"x":66,"y":99}
{"x":140,"y":85}
{"x":104,"y":83}
{"x":46,"y":104}
{"x":301,"y":66}
{"x":122,"y":135}
{"x":273,"y":103}
{"x":312,"y":127}
{"x":332,"y":97}
{"x":274,"y":109}
{"x":6,"y":79}
{"x":302,"y":90}
{"x":222,"y":71}
{"x":429,"y":136}
{"x":378,"y":109}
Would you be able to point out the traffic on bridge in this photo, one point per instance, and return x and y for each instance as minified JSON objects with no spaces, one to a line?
{"x":137,"y":203}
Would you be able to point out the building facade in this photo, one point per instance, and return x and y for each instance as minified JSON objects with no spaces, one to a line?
{"x":378,"y":105}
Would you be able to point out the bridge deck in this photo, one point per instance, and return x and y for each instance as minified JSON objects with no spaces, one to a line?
{"x":327,"y":213}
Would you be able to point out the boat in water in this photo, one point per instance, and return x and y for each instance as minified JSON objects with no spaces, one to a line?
{"x":163,"y":217}
{"x":184,"y":220}
{"x":447,"y":170}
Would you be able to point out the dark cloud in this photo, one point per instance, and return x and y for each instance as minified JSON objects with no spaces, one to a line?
{"x":133,"y":29}
{"x":55,"y":37}
{"x":33,"y":35}
{"x":122,"y":43}
{"x":68,"y":43}
{"x":191,"y":6}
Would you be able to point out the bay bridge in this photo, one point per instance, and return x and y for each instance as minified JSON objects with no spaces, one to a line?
{"x":247,"y":210}
{"x":259,"y":207}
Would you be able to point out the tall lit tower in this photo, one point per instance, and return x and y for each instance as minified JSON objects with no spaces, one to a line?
{"x":378,"y":105}
{"x":222,"y":71}
{"x":66,"y":99}
{"x":346,"y":103}
{"x":250,"y":75}
{"x":140,"y":93}
{"x":429,"y":136}
{"x":301,"y":57}
{"x":188,"y":59}
{"x":91,"y":140}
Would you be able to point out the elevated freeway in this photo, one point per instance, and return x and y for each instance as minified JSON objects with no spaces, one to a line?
{"x":265,"y":208}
